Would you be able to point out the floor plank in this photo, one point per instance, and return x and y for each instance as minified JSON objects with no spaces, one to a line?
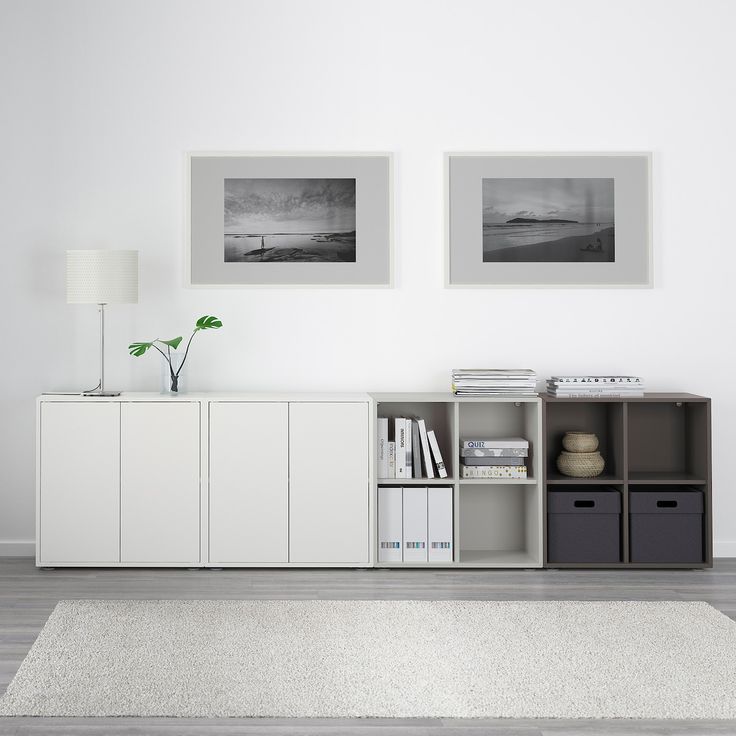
{"x":28,"y":595}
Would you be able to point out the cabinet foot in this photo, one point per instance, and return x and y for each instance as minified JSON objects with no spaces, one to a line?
{"x":215,"y":569}
{"x":47,"y":569}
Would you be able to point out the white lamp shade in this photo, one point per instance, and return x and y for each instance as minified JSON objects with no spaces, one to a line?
{"x":102,"y":276}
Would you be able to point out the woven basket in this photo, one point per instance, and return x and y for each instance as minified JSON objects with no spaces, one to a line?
{"x":580,"y":464}
{"x":580,"y":442}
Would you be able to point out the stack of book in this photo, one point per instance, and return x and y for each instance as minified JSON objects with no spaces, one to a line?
{"x":407,"y":450}
{"x":494,"y":382}
{"x":500,"y":458}
{"x":586,"y":387}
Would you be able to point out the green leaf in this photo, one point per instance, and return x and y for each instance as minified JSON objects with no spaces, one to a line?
{"x":173,"y":343}
{"x":208,"y":323}
{"x":139,"y":348}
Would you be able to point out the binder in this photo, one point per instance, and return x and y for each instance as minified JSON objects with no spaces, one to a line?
{"x":439,"y":524}
{"x":415,"y":523}
{"x":390,"y":531}
{"x":382,"y":448}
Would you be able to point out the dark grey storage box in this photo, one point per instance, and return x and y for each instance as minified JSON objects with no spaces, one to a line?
{"x":666,"y":525}
{"x":583,"y":526}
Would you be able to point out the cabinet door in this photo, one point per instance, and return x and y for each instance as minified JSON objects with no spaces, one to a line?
{"x":328,"y":483}
{"x":249,"y":482}
{"x":79,"y":469}
{"x":159,"y":489}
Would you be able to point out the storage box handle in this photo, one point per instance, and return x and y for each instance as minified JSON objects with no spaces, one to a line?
{"x":666,"y":504}
{"x":584,"y":504}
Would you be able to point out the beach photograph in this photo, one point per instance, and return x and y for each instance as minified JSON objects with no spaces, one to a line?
{"x":289,"y":220}
{"x":548,"y":220}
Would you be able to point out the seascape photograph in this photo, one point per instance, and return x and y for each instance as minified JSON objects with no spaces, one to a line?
{"x":548,"y":220}
{"x":289,"y":220}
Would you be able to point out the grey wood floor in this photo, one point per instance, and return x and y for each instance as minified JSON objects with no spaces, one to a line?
{"x":28,"y":595}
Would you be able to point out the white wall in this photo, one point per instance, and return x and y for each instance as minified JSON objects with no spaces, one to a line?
{"x":100,"y":100}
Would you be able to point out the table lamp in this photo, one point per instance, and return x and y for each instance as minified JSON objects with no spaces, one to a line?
{"x":102,"y":277}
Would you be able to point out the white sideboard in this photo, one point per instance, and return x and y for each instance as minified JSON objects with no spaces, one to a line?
{"x":202,"y":480}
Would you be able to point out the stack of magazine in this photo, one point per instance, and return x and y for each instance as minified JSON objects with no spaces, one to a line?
{"x":583,"y":387}
{"x":406,"y":449}
{"x":494,"y":382}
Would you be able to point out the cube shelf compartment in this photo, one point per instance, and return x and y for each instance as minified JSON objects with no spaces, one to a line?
{"x":497,"y":521}
{"x":658,"y":441}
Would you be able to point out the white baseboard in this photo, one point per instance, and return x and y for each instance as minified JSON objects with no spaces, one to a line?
{"x":27,"y":548}
{"x":17,"y":548}
{"x":724,"y":549}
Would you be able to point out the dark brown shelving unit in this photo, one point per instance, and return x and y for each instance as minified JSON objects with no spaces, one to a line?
{"x":660,"y":439}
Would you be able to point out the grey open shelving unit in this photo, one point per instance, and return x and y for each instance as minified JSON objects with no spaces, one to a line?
{"x":662,"y":440}
{"x":497,"y":522}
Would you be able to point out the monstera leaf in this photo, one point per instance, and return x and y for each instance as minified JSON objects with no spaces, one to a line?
{"x":139,"y":348}
{"x":208,"y":323}
{"x":173,"y":343}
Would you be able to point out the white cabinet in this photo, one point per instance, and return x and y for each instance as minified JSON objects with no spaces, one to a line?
{"x":328,"y":483}
{"x":79,"y":483}
{"x":211,"y":480}
{"x":249,"y":482}
{"x":159,"y":482}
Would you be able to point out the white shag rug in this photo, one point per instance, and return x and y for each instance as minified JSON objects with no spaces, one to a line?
{"x":452,"y":659}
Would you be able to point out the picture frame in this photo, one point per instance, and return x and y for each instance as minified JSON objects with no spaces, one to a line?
{"x":256,"y":219}
{"x":548,"y":220}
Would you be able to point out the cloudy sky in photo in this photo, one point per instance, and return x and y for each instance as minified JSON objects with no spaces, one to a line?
{"x":263,"y":206}
{"x":583,"y":200}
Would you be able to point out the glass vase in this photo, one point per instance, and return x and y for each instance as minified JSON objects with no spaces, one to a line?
{"x":172,"y":384}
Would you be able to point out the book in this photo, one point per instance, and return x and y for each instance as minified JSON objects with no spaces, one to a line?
{"x":494,"y":460}
{"x":400,"y":439}
{"x":409,"y":449}
{"x":390,"y":532}
{"x":391,"y":459}
{"x":493,"y":471}
{"x":434,"y":446}
{"x":632,"y":380}
{"x":598,"y":394}
{"x":502,"y":443}
{"x":382,"y":447}
{"x":416,"y":451}
{"x":439,"y":524}
{"x":494,"y":452}
{"x":426,"y":457}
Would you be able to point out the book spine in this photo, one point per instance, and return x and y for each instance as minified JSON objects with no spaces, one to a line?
{"x":434,"y":445}
{"x":632,"y":380}
{"x":494,"y":452}
{"x":391,"y":459}
{"x":598,"y":394}
{"x":409,"y":448}
{"x":494,"y":471}
{"x":428,"y":467}
{"x":382,"y":449}
{"x":495,"y":461}
{"x":495,"y":444}
{"x":416,"y":452}
{"x":400,"y":439}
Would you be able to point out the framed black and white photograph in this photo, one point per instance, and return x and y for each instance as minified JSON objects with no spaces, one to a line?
{"x":548,"y":220}
{"x":289,"y":220}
